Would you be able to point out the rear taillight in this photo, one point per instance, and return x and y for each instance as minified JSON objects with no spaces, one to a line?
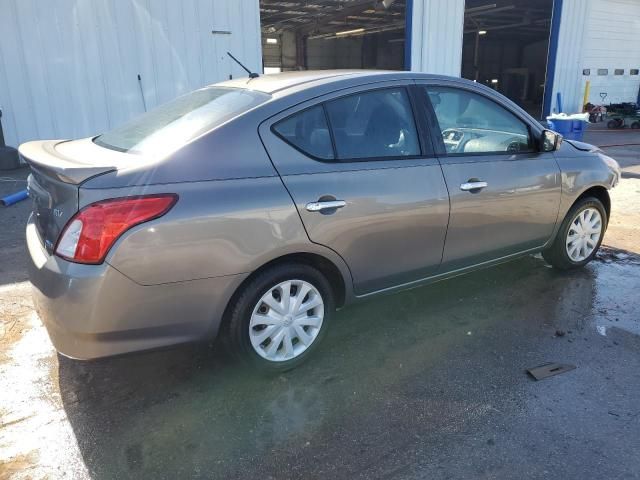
{"x":92,"y":231}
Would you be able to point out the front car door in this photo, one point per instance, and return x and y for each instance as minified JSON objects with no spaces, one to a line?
{"x":504,"y":192}
{"x":365,"y":182}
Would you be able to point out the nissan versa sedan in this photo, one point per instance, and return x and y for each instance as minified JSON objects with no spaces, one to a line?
{"x":254,"y":208}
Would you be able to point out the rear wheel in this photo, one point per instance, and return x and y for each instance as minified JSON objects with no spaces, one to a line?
{"x":580,"y":235}
{"x":281,"y":316}
{"x":635,"y":125}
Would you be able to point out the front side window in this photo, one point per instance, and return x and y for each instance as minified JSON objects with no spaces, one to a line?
{"x":307,"y":131}
{"x":376,"y":124}
{"x":173,"y":124}
{"x":471,"y":123}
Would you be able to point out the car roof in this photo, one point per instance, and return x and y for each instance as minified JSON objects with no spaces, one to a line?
{"x":280,"y":82}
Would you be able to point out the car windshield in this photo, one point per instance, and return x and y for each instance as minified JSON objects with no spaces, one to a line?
{"x":173,"y":124}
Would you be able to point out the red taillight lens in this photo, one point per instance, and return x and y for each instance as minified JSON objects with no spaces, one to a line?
{"x":92,"y":231}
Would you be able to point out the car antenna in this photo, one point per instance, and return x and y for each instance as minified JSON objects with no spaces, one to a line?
{"x":251,"y":74}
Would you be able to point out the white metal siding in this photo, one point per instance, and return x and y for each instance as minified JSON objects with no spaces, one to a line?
{"x":436,"y":37}
{"x":597,"y":34}
{"x":68,"y":68}
{"x":612,"y":41}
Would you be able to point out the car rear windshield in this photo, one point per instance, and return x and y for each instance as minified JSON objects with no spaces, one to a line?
{"x":173,"y":124}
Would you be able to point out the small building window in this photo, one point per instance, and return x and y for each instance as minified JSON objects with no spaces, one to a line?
{"x":618,"y":71}
{"x":586,"y":71}
{"x":603,"y":71}
{"x":634,"y":71}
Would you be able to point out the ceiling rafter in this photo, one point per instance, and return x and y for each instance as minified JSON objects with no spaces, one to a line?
{"x":325,"y":16}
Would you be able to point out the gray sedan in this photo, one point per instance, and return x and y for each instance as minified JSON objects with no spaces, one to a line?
{"x":254,"y":208}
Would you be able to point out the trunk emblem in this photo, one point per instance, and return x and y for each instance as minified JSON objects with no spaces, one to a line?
{"x":57,"y":212}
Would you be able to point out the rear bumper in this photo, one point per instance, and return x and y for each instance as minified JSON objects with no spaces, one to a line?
{"x":93,"y":311}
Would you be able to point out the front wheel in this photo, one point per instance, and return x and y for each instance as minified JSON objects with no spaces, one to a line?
{"x":580,"y":235}
{"x":281,"y":316}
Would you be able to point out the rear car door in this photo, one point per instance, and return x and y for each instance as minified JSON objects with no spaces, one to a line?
{"x":504,"y":192}
{"x":365,"y":182}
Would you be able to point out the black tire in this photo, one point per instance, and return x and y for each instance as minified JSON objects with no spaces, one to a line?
{"x":239,"y":314}
{"x":635,"y":125}
{"x":556,"y":254}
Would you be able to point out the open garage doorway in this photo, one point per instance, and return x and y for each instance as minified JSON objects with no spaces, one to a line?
{"x":328,"y":34}
{"x":506,"y":44}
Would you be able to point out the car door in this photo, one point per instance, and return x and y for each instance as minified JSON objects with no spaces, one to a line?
{"x":365,"y":182}
{"x":504,"y":192}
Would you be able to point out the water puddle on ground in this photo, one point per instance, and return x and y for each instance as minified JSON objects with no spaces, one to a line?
{"x":616,"y":291}
{"x":35,"y":438}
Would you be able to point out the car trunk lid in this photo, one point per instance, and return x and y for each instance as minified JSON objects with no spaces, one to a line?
{"x":58,"y":168}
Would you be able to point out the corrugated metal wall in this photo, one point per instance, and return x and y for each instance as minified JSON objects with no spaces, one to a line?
{"x":597,"y":34}
{"x":436,"y":37}
{"x":68,"y":68}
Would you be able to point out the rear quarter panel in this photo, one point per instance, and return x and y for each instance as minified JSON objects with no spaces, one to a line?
{"x":216,"y":228}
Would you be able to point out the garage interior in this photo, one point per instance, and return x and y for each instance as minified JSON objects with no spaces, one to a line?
{"x":506,"y":43}
{"x":328,"y":34}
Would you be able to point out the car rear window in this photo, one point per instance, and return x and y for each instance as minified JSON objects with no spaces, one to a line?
{"x":175,"y":123}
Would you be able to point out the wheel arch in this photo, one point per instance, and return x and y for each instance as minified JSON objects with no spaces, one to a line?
{"x":338,"y":280}
{"x":599,"y":192}
{"x":555,"y":253}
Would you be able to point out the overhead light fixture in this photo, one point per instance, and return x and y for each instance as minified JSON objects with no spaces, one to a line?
{"x":482,"y":32}
{"x":349,"y":32}
{"x":272,"y":41}
{"x":494,"y":80}
{"x":384,"y":4}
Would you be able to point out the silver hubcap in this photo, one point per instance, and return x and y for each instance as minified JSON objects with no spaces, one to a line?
{"x":584,"y":234}
{"x":286,"y":320}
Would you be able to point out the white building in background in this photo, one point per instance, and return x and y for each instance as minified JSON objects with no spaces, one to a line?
{"x":72,"y":68}
{"x":69,"y":68}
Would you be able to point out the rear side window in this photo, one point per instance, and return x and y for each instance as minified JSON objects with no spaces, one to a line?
{"x":377,"y":124}
{"x":307,"y":131}
{"x":173,"y":124}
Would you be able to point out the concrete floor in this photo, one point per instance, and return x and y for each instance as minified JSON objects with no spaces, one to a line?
{"x":429,"y":383}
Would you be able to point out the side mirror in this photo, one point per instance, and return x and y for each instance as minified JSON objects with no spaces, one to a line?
{"x":549,"y":141}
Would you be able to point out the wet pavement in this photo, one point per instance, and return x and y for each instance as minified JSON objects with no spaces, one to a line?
{"x":429,"y":383}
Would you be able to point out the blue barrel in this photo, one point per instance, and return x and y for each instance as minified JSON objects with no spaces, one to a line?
{"x":579,"y":126}
{"x":568,"y":128}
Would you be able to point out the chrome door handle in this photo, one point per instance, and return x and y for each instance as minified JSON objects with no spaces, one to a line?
{"x":473,"y":186}
{"x":328,"y":205}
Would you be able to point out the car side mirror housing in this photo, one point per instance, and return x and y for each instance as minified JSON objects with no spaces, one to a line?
{"x":549,"y":141}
